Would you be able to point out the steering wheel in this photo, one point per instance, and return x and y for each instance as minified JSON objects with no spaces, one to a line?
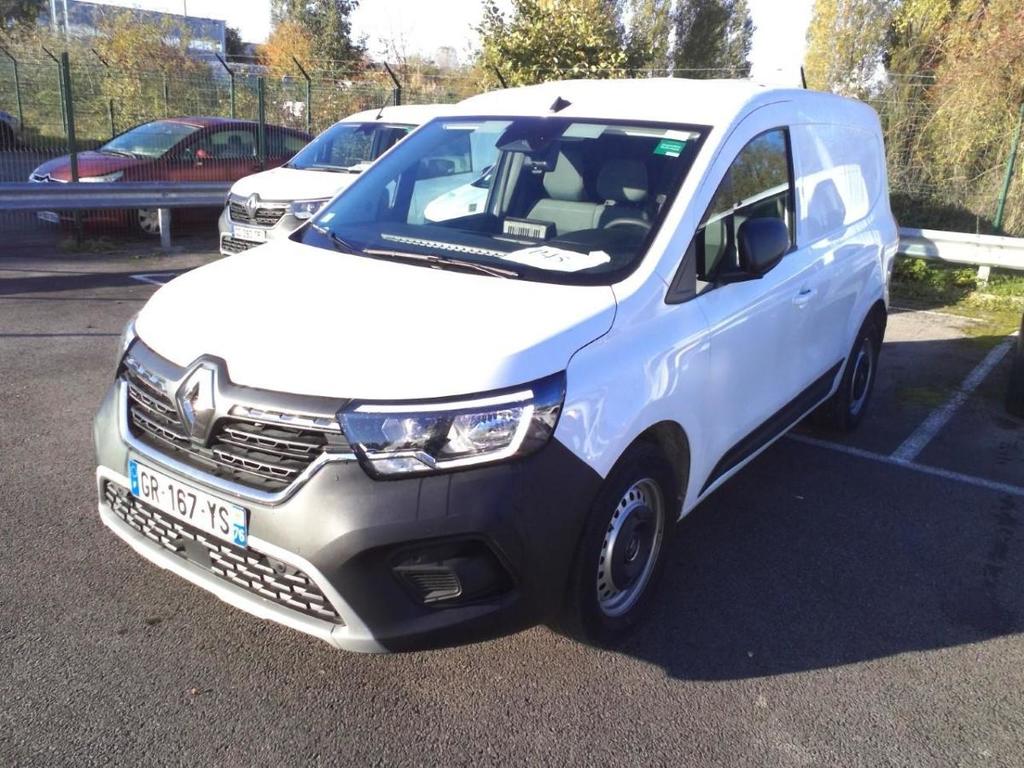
{"x":645,"y":225}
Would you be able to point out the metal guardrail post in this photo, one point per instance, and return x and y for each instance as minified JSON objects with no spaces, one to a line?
{"x":997,"y":222}
{"x":309,"y":96}
{"x":396,"y":92}
{"x":261,"y":116}
{"x":231,"y":77}
{"x":17,"y":86}
{"x":164,"y":220}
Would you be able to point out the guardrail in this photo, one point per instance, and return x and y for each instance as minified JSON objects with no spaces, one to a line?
{"x":984,"y":251}
{"x":164,"y":196}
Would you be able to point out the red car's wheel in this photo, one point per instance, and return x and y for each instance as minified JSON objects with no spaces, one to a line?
{"x":147,"y":221}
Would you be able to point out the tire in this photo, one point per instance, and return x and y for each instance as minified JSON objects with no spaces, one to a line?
{"x":146,"y":221}
{"x":624,"y":540}
{"x":1015,"y":394}
{"x":844,"y":411}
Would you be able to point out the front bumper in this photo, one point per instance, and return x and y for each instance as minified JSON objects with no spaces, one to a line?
{"x":514,"y":527}
{"x":230,"y":244}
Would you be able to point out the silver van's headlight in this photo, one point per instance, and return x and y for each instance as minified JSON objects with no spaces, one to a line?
{"x":128,"y":335}
{"x":399,"y":439}
{"x":304,"y":209}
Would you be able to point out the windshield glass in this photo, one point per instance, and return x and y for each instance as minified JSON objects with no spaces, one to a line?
{"x":552,"y":199}
{"x":149,"y":140}
{"x":348,"y":146}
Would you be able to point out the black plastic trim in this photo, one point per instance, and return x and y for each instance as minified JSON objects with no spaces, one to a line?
{"x":777,"y":424}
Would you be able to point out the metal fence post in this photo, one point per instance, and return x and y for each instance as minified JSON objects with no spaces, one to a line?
{"x":231,"y":78}
{"x":17,"y":86}
{"x":167,"y":98}
{"x":396,"y":92}
{"x":997,"y":222}
{"x":261,"y":116}
{"x":110,"y":114}
{"x":69,"y":110}
{"x":309,"y":96}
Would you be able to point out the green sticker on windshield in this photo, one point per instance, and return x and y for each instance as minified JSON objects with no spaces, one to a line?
{"x":670,"y":147}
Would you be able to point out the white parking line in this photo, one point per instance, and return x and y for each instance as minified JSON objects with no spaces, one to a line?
{"x":911,"y":448}
{"x":155,"y":278}
{"x":945,"y":474}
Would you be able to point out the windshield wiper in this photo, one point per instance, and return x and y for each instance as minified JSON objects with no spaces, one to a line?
{"x":339,"y":242}
{"x":120,"y":152}
{"x":443,"y":262}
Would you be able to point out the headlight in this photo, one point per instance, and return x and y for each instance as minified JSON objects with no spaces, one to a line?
{"x":109,"y":177}
{"x":304,"y":209}
{"x":128,"y":335}
{"x":396,"y":439}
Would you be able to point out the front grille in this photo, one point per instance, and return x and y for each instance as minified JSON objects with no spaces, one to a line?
{"x":234,"y":245}
{"x":261,"y":449}
{"x":250,"y":570}
{"x":263,"y":216}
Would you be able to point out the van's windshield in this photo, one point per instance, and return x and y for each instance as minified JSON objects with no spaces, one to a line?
{"x":348,"y":146}
{"x":551,"y":199}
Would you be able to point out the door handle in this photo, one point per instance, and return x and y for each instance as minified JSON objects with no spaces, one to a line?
{"x":805,"y":295}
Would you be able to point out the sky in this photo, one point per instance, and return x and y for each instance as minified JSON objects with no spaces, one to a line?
{"x":423,"y":26}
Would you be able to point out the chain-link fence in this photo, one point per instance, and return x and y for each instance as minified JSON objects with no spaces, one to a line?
{"x":47,"y":107}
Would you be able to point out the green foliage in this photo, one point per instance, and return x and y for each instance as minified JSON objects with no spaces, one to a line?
{"x":328,"y":24}
{"x":713,"y":37}
{"x":233,"y":44}
{"x":14,"y":13}
{"x":649,"y":36}
{"x":846,"y":44}
{"x":551,"y":39}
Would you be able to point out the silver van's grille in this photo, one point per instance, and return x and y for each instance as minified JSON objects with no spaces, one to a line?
{"x":246,"y":568}
{"x":264,"y":450}
{"x":263,"y":216}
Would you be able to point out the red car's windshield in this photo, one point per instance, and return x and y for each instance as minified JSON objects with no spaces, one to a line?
{"x":149,"y":140}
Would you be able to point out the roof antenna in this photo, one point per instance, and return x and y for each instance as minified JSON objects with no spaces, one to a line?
{"x":559,"y":104}
{"x":803,"y":78}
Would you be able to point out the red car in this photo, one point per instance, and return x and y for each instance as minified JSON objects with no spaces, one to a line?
{"x":174,"y":149}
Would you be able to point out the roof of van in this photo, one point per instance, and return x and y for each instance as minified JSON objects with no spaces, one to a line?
{"x":663,"y":99}
{"x":406,"y":114}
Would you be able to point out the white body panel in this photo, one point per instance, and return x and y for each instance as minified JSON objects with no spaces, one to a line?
{"x":718,"y":365}
{"x":293,"y":184}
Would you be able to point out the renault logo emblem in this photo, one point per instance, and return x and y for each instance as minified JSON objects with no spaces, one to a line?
{"x":196,"y":404}
{"x":251,"y":205}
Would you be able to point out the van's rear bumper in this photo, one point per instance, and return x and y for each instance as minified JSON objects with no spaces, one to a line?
{"x":376,"y":548}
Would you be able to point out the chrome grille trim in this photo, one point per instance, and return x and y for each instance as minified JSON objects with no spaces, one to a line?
{"x":247,"y":568}
{"x":264,"y":459}
{"x":265,"y":215}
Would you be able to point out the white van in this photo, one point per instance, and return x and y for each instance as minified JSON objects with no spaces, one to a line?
{"x":272,"y":204}
{"x":414,"y":432}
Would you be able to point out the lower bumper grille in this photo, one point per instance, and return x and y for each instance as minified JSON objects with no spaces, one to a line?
{"x":234,"y":245}
{"x":257,"y":573}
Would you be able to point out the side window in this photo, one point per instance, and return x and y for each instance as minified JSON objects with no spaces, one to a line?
{"x":234,"y":144}
{"x":758,"y":184}
{"x":280,"y":143}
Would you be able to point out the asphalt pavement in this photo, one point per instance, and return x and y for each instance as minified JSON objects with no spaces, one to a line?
{"x":829,"y":606}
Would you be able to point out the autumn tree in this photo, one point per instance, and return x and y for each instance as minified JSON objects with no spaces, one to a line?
{"x":713,"y":37}
{"x":328,"y":25}
{"x":846,"y":44}
{"x":550,"y":39}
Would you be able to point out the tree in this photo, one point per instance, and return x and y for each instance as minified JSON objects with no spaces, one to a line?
{"x":649,"y":34}
{"x":327,"y":23}
{"x":289,"y":38}
{"x":20,"y":12}
{"x":550,"y":39}
{"x":713,"y":37}
{"x":846,"y":44}
{"x":233,"y":45}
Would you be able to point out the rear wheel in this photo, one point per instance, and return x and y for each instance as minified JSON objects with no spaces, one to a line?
{"x":620,"y":556}
{"x":844,"y":411}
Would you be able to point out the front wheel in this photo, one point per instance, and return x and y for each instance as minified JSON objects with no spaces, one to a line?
{"x":147,"y":221}
{"x":621,"y":553}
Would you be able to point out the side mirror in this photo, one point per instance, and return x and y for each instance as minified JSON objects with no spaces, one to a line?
{"x":202,"y":154}
{"x":761,"y":244}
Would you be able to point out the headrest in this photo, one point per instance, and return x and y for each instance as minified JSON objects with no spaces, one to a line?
{"x":623,"y":181}
{"x":564,"y":182}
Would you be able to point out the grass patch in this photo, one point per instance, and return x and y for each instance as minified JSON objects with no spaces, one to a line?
{"x":997,"y":306}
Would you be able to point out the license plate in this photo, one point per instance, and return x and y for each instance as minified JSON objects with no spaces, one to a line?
{"x":51,"y":217}
{"x":199,"y":509}
{"x":251,"y":234}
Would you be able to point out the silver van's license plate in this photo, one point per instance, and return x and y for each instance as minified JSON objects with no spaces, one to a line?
{"x":251,"y":234}
{"x":199,"y":509}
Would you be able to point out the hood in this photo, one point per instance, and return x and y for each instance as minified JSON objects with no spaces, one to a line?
{"x":293,"y":318}
{"x":292,"y":184}
{"x":89,"y":164}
